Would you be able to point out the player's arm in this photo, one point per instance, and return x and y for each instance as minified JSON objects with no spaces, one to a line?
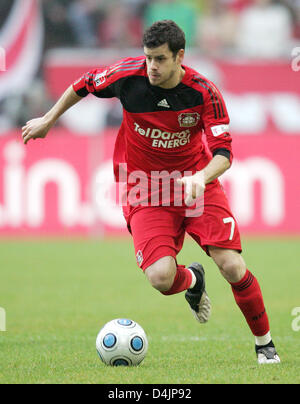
{"x":94,"y":82}
{"x":39,"y":127}
{"x":215,"y":168}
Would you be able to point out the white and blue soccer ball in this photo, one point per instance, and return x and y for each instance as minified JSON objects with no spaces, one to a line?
{"x":122,"y":342}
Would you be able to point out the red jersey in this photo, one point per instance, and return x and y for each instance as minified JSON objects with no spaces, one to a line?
{"x":162,"y":129}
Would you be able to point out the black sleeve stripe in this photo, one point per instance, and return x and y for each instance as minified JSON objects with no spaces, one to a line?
{"x":222,"y":152}
{"x":221,"y":101}
{"x":89,"y":83}
{"x":218,"y":97}
{"x":212,"y":89}
{"x":122,"y":64}
{"x":216,"y":101}
{"x":211,"y":96}
{"x":138,"y":67}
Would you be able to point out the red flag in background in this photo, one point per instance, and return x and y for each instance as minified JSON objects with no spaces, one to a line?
{"x":21,"y":42}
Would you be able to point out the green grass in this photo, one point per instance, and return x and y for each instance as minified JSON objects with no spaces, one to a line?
{"x":58,"y":294}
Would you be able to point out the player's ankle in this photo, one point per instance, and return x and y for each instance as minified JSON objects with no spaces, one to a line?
{"x":263,"y":340}
{"x":194,"y":279}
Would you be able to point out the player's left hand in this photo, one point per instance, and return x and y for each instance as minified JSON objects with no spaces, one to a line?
{"x":194,"y":186}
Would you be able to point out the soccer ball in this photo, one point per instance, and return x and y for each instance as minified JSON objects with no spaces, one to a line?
{"x":122,"y":342}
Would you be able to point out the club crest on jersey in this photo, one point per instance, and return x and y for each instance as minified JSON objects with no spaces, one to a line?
{"x":100,"y":78}
{"x":188,"y":120}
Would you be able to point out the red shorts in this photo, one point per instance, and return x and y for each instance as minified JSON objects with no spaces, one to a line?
{"x":159,"y":231}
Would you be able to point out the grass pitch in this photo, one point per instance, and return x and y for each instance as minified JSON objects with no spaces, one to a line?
{"x":58,"y":294}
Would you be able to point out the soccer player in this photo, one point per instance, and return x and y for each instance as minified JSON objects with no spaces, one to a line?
{"x":167,"y":108}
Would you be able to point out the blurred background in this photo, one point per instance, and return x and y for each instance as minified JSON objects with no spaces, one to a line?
{"x":64,"y":185}
{"x":67,"y":262}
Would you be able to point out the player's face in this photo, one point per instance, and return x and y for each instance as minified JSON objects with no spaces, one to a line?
{"x":164,"y":69}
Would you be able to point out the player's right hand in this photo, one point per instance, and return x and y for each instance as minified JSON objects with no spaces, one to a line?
{"x":36,"y":128}
{"x":194,"y":187}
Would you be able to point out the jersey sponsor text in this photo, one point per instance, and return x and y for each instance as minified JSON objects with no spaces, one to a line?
{"x":162,"y":139}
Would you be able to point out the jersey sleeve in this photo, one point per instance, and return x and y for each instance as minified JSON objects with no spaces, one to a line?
{"x":98,"y":83}
{"x":108,"y":82}
{"x":216,"y":122}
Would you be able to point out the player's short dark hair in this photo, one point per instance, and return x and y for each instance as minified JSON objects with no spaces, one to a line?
{"x":165,"y":31}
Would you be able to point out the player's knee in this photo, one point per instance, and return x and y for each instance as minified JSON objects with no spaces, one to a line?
{"x":231,"y":264}
{"x":161,"y":282}
{"x":233,"y":268}
{"x":161,"y":274}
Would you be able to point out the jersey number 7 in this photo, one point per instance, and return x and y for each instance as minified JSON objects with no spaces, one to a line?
{"x":230,"y":220}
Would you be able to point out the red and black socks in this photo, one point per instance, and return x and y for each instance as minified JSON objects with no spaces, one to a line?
{"x":248,"y":296}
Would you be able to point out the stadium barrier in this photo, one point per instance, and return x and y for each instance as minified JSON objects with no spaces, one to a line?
{"x":65,"y":185}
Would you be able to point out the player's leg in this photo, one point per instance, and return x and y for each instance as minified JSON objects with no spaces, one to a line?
{"x":161,"y":274}
{"x":230,"y":263}
{"x":169,"y":278}
{"x":158,"y":236}
{"x":216,"y":231}
{"x":248,"y":296}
